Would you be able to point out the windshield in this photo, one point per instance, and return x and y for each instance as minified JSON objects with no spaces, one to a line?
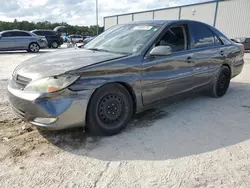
{"x":127,"y":39}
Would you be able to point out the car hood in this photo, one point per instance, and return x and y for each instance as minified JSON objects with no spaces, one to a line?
{"x":61,"y":61}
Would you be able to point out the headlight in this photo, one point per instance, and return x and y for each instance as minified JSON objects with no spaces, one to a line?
{"x":51,"y":84}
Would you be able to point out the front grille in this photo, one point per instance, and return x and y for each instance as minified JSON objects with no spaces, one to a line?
{"x":21,"y":81}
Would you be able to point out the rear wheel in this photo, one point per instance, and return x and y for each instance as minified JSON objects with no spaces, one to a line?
{"x":109,"y":110}
{"x":34,"y":47}
{"x":55,"y":44}
{"x":222,"y":82}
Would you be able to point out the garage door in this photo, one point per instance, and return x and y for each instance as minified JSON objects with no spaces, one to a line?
{"x":169,"y":14}
{"x":204,"y":13}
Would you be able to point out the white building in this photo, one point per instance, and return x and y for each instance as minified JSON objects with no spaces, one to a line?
{"x":232,"y":17}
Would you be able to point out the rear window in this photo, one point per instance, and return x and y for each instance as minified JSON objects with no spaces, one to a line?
{"x":45,"y":33}
{"x":49,"y":33}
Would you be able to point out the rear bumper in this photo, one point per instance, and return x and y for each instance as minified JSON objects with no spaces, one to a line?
{"x":237,"y":68}
{"x":67,"y":107}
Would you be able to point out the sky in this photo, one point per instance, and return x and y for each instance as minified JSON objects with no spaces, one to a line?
{"x":77,"y":12}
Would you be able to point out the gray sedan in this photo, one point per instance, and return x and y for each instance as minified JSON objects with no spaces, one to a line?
{"x":21,"y":40}
{"x":121,"y":72}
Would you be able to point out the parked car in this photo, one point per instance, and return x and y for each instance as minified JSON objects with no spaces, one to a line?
{"x":245,"y":41}
{"x":85,"y":41}
{"x":21,"y":40}
{"x":123,"y":71}
{"x":53,"y":38}
{"x":88,"y":39}
{"x":235,"y":40}
{"x":76,"y":38}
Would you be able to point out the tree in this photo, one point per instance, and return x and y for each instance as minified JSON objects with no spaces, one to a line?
{"x":25,"y":25}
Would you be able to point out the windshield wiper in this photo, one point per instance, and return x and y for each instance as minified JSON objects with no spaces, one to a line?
{"x":102,"y":50}
{"x":98,"y":49}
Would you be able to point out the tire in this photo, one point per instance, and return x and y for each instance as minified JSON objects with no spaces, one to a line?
{"x":33,"y":47}
{"x":55,"y":44}
{"x":221,"y":82}
{"x":109,"y":110}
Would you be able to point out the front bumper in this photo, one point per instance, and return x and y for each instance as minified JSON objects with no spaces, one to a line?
{"x":69,"y":108}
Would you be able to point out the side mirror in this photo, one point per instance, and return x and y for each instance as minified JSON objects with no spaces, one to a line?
{"x":161,"y":51}
{"x":0,"y":36}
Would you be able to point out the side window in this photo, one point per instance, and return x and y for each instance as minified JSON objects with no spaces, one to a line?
{"x":24,"y":34}
{"x":203,"y":37}
{"x":247,"y":40}
{"x":7,"y":34}
{"x":217,"y":41}
{"x":175,"y":38}
{"x":48,"y":33}
{"x":21,"y":34}
{"x":38,"y":33}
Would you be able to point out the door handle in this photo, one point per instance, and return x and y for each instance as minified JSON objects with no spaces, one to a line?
{"x":222,"y":53}
{"x":189,"y":60}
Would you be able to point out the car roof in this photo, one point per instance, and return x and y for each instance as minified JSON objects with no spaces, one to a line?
{"x":43,"y":30}
{"x":150,"y":22}
{"x":161,"y":22}
{"x":14,"y":31}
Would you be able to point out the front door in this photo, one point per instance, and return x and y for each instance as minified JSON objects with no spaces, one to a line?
{"x":165,"y":76}
{"x":22,"y":39}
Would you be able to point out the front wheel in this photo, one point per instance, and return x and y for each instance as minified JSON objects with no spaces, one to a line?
{"x":109,"y":110}
{"x":34,"y":47}
{"x":221,"y":82}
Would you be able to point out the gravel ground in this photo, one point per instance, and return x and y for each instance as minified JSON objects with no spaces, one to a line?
{"x":195,"y":142}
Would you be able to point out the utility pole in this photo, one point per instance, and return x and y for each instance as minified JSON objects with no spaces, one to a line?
{"x":97,"y":27}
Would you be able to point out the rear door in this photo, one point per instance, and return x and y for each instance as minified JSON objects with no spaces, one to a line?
{"x":165,"y":76}
{"x":208,"y":51}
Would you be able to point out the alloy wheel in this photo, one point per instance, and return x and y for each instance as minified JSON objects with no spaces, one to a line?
{"x":34,"y":47}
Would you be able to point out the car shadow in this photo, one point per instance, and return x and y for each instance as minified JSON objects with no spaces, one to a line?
{"x":23,"y":52}
{"x":182,"y":128}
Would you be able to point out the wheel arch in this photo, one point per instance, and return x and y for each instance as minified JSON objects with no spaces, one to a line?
{"x":34,"y":42}
{"x":127,"y":86}
{"x":226,"y":65}
{"x":131,"y":92}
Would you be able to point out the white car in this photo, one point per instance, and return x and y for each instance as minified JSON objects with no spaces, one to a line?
{"x":76,"y":38}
